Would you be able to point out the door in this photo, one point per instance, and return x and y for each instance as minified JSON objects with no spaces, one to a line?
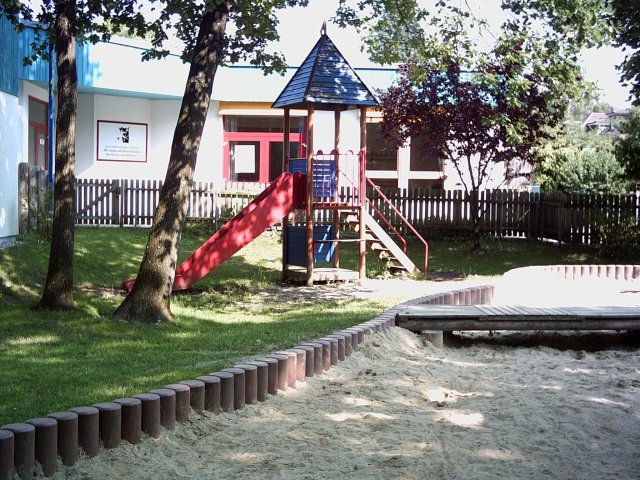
{"x":276,"y":157}
{"x":38,"y":119}
{"x":253,"y":147}
{"x":38,"y":146}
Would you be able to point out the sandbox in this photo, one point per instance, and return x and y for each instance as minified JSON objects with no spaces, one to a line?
{"x":381,"y":402}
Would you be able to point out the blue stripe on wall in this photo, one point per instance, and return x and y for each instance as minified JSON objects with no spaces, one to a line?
{"x":8,"y":57}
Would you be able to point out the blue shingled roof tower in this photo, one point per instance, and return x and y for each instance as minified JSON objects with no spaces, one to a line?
{"x":326,"y":80}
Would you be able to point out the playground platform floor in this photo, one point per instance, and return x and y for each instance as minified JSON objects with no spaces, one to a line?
{"x":323,"y":275}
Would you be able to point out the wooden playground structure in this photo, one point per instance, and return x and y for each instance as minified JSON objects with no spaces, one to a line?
{"x":336,"y":182}
{"x":315,"y":196}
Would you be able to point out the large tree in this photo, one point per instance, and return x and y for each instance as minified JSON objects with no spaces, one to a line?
{"x":625,"y":18}
{"x":627,"y":148}
{"x":481,"y":90}
{"x":61,"y":23}
{"x":209,"y":44}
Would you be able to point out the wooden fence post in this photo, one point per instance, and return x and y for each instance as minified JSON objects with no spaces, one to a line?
{"x":116,"y":198}
{"x":32,"y":186}
{"x":32,"y":198}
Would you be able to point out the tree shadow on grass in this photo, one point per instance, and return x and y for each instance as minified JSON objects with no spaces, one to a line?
{"x":52,"y":361}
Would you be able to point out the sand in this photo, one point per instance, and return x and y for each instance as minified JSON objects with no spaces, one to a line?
{"x":515,"y":406}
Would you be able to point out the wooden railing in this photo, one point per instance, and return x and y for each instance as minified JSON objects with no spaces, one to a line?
{"x":405,"y":222}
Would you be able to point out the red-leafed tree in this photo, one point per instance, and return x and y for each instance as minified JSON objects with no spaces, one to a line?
{"x":473,"y":120}
{"x":525,"y":56}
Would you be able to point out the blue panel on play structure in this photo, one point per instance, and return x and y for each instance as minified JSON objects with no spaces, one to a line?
{"x":298,"y":165}
{"x":324,"y":247}
{"x":324,"y":175}
{"x":324,"y":178}
{"x":297,"y":240}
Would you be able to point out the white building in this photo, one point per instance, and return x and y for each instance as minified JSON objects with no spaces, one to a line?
{"x":127,"y":111}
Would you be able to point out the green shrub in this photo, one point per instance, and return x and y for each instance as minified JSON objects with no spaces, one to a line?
{"x":619,"y":240}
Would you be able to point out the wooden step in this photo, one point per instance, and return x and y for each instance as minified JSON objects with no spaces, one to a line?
{"x":350,"y":218}
{"x":380,"y":243}
{"x":401,"y":261}
{"x":378,"y":247}
{"x":385,"y":256}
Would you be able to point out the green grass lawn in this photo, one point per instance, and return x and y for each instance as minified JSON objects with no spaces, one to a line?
{"x":55,"y":361}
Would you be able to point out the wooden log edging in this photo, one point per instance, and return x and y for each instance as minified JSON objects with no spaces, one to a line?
{"x":478,"y":295}
{"x":225,"y":390}
{"x":577,"y":272}
{"x":108,"y":425}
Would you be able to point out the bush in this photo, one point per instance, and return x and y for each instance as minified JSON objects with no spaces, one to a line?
{"x":581,"y":162}
{"x":619,"y":240}
{"x":42,"y":224}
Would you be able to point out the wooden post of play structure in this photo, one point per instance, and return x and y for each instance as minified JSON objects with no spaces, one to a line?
{"x":336,"y":197}
{"x":362,"y":196}
{"x":285,"y":168}
{"x":309,"y":210}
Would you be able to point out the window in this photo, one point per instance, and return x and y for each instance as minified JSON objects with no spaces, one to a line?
{"x":385,"y":184}
{"x":425,"y":183}
{"x":253,"y":147}
{"x":421,"y":162}
{"x":264,"y":124}
{"x":244,"y":161}
{"x":380,"y":156}
{"x":276,"y":157}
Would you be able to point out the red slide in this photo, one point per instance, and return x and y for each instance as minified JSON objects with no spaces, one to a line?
{"x":282,"y":196}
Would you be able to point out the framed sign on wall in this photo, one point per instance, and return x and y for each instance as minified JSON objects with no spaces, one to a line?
{"x":122,"y":141}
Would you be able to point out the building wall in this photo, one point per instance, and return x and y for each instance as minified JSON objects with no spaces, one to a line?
{"x":85,"y":142}
{"x":324,"y":132}
{"x":160,"y":117}
{"x":14,"y":112}
{"x":11,"y":129}
{"x":495,"y":180}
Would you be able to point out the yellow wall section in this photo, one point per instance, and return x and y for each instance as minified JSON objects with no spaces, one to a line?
{"x":374,"y":115}
{"x":247,"y":106}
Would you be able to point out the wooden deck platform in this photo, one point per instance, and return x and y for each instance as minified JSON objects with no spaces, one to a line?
{"x":512,"y":317}
{"x":323,"y":275}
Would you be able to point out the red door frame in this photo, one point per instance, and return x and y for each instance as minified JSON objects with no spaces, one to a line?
{"x":43,"y":129}
{"x":264,"y":138}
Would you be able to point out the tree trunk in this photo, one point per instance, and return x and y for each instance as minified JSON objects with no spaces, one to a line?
{"x":149,"y":300}
{"x":58,"y":288}
{"x":474,"y":204}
